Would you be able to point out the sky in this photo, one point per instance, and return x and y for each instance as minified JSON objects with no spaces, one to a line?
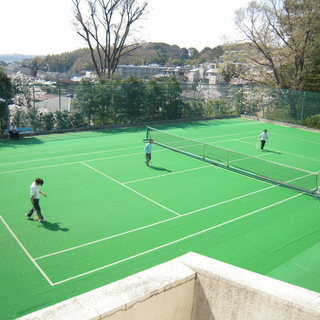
{"x":42,"y":27}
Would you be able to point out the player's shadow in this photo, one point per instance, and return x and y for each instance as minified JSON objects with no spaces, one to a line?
{"x":160,"y":169}
{"x":53,"y":226}
{"x":270,"y":151}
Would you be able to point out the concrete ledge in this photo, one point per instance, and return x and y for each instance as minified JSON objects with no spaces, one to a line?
{"x":227,"y":292}
{"x":191,"y":287}
{"x":163,"y":292}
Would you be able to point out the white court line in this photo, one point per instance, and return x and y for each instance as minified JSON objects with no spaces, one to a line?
{"x":176,"y":241}
{"x":68,"y":156}
{"x":76,"y":162}
{"x":285,"y":152}
{"x":42,"y":167}
{"x":168,"y":174}
{"x":166,"y":220}
{"x":26,"y":251}
{"x":229,"y":135}
{"x":99,"y":152}
{"x":113,"y":157}
{"x":156,"y":223}
{"x":294,"y":138}
{"x":245,"y":157}
{"x":125,"y":186}
{"x":215,"y":143}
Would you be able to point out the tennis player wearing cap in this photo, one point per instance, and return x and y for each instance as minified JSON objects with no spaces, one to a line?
{"x":35,"y":195}
{"x":147,"y":151}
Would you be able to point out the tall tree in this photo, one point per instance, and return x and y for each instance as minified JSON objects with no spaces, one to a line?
{"x":5,"y":99}
{"x":106,"y":26}
{"x":35,"y":64}
{"x":281,"y":33}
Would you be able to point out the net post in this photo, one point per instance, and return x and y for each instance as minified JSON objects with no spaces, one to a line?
{"x":147,"y":134}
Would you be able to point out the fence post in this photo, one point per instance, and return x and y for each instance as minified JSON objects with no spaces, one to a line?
{"x":302,"y":106}
{"x":126,"y":102}
{"x":146,"y":105}
{"x":59,"y":94}
{"x":33,"y":98}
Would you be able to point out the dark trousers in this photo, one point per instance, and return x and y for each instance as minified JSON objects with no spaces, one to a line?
{"x":14,"y":135}
{"x":263,"y":142}
{"x":36,"y":208}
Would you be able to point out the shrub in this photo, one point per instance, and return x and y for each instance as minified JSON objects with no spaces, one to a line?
{"x":313,"y":121}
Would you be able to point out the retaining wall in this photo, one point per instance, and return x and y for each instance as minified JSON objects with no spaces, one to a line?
{"x":191,"y":287}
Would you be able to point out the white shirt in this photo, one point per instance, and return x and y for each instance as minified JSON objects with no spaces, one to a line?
{"x":264,"y":136}
{"x":148,"y":147}
{"x":34,"y":191}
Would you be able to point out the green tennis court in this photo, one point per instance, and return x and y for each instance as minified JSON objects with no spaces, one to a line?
{"x":108,"y":215}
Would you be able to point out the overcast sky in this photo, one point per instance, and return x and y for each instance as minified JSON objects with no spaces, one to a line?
{"x":42,"y":27}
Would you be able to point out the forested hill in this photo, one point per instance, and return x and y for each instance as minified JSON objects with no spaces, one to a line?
{"x":14,"y":57}
{"x":150,"y":53}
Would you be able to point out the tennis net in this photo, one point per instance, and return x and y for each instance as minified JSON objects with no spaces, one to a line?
{"x":287,"y":176}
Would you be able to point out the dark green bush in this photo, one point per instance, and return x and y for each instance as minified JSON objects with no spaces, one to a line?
{"x":313,"y":121}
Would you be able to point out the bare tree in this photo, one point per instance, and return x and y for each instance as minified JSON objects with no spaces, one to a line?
{"x":281,"y":33}
{"x":106,"y":26}
{"x":34,"y":65}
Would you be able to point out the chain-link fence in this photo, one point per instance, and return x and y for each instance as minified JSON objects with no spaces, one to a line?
{"x":87,"y":105}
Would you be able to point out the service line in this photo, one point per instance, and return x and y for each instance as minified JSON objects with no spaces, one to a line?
{"x":176,"y":241}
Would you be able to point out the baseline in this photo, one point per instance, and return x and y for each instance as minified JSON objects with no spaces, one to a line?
{"x":70,"y":163}
{"x":66,"y":156}
{"x":92,"y":153}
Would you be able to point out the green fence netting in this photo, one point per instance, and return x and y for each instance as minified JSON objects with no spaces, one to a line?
{"x":86,"y":105}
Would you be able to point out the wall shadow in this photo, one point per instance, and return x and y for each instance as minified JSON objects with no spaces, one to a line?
{"x":88,"y":133}
{"x":7,"y":143}
{"x":201,"y":306}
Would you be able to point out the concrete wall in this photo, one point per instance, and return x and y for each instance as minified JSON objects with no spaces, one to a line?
{"x":164,"y":292}
{"x":191,"y":287}
{"x":226,"y":292}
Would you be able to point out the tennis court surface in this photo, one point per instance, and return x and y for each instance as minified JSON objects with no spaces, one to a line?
{"x":109,"y":216}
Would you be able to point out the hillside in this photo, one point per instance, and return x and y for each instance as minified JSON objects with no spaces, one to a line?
{"x":15,"y":57}
{"x":163,"y":54}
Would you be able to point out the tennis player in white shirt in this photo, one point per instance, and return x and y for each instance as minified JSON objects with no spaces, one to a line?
{"x":35,"y":198}
{"x":263,"y":138}
{"x":147,"y":151}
